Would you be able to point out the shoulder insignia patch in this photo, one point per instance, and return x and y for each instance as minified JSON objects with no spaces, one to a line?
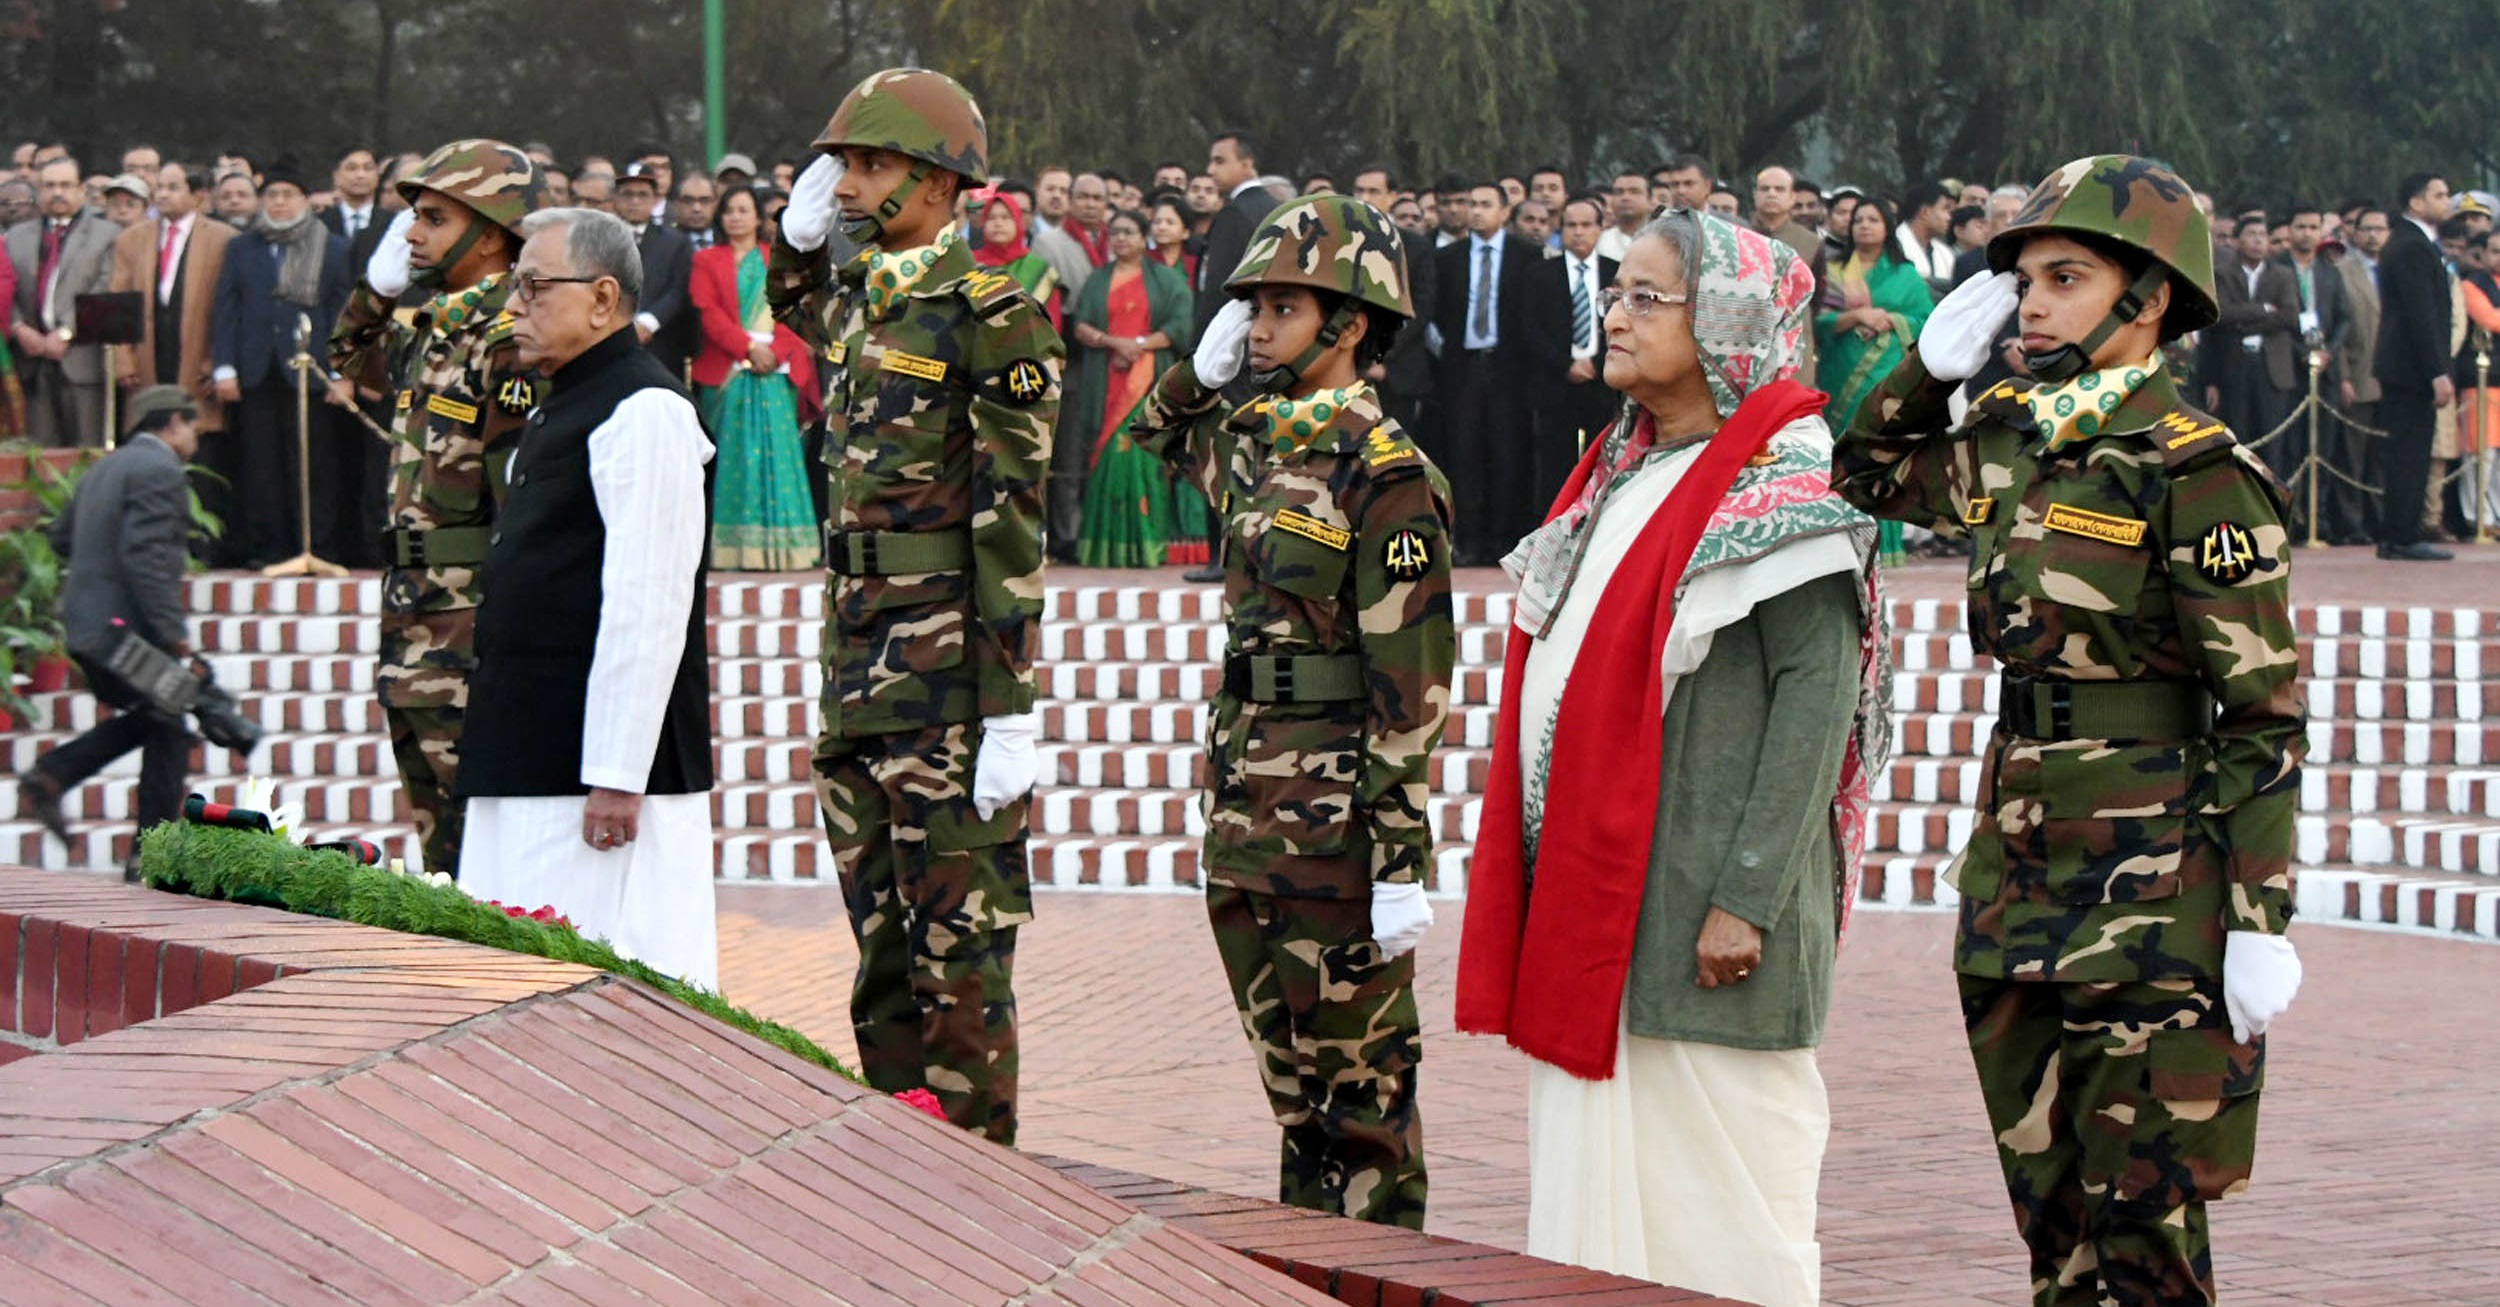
{"x":451,"y":408}
{"x":1979,"y":511}
{"x":1381,"y":448}
{"x":516,"y":395}
{"x":2084,"y":522}
{"x":1311,"y":528}
{"x":1025,"y":382}
{"x":2227,"y":554}
{"x":407,"y":400}
{"x":2182,"y":430}
{"x":993,"y":294}
{"x":837,"y":351}
{"x":1406,"y":555}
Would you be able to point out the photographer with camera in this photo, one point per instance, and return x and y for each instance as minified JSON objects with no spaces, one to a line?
{"x":123,"y":538}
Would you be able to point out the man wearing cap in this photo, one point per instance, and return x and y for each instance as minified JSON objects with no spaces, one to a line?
{"x":942,"y":386}
{"x":665,"y":322}
{"x":459,"y":395}
{"x":734,"y":170}
{"x":126,"y":201}
{"x":124,"y":536}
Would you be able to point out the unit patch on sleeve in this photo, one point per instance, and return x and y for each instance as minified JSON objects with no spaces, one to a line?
{"x":2227,"y":554}
{"x":1407,"y":555}
{"x":1025,"y":381}
{"x":516,"y":395}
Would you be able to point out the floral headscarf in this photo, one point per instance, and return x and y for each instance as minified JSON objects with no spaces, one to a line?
{"x":1751,"y":296}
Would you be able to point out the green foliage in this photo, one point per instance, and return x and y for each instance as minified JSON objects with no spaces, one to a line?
{"x":30,"y":578}
{"x":2259,"y":100}
{"x":235,"y":866}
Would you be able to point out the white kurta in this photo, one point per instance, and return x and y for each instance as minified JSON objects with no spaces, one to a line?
{"x":1694,"y":1165}
{"x":651,"y":899}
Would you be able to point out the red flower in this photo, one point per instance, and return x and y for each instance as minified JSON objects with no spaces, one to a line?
{"x":545,"y":914}
{"x":924,"y":1100}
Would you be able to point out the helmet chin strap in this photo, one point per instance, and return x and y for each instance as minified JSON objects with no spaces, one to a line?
{"x":870,"y":229}
{"x":432,"y":275}
{"x":2067,"y":362}
{"x":1281,"y":378}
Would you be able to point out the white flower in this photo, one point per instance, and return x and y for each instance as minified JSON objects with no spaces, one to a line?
{"x":260,"y":794}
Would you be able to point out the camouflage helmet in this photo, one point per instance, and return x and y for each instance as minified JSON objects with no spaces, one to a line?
{"x":495,"y":179}
{"x":2135,"y":202}
{"x":915,"y":113}
{"x":1328,"y":242}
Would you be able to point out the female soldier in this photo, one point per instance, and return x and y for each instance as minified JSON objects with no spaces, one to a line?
{"x":2126,"y":890}
{"x":1336,"y":681}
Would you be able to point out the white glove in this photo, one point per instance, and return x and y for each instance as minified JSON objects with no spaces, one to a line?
{"x":1008,"y":765}
{"x":2260,"y":974}
{"x":810,"y":214}
{"x":387,"y":271}
{"x":1400,"y":916}
{"x":1955,"y":342}
{"x":1223,"y":347}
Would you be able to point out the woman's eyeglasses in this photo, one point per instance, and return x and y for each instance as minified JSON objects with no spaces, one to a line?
{"x":1636,"y":303}
{"x":531,"y":285}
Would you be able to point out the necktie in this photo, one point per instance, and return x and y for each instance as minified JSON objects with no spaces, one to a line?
{"x":165,"y":263}
{"x":1484,"y":292}
{"x":51,"y":252}
{"x":1580,"y":307}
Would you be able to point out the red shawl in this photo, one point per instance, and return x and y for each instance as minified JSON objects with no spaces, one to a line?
{"x":1549,"y":972}
{"x":998,"y":256}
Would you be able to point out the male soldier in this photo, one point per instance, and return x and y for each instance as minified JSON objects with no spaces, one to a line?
{"x":1336,"y":684}
{"x":460,"y":400}
{"x":2126,"y":891}
{"x":942,"y":385}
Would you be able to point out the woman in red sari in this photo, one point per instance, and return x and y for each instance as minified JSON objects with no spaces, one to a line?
{"x":1128,"y":324}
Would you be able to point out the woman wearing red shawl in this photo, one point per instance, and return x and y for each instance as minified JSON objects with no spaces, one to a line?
{"x":1004,"y":244}
{"x":1697,"y":625}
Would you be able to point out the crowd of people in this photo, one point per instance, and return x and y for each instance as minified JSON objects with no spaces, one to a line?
{"x":1501,"y":384}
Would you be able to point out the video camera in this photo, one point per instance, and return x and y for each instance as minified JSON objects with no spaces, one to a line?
{"x":172,"y":687}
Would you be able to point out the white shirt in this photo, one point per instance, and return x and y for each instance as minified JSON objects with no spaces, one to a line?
{"x":1483,"y":279}
{"x":353,"y":220}
{"x":646,"y":471}
{"x":1583,"y":273}
{"x":172,"y":267}
{"x":1614,"y":243}
{"x":1932,"y":259}
{"x":2252,"y":340}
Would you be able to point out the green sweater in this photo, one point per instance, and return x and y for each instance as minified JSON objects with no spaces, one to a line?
{"x":1749,"y":761}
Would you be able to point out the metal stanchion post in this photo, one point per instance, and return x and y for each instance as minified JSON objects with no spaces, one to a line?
{"x":112,"y":413}
{"x":2316,"y":466}
{"x":306,"y":563}
{"x":2482,"y":440}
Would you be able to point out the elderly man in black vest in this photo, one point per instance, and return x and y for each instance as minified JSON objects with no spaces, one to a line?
{"x":588,"y":759}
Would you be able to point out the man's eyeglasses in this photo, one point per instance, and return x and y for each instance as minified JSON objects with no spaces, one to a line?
{"x":1636,"y":303}
{"x":531,"y":285}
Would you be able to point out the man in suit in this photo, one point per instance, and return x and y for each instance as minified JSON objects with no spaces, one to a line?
{"x":2413,"y":364}
{"x":666,"y":317}
{"x":2325,"y":319}
{"x":692,"y":209}
{"x":1501,"y":321}
{"x":1578,"y":405}
{"x":357,"y":182}
{"x":65,"y":251}
{"x":174,"y":262}
{"x":2347,"y":510}
{"x":1233,"y":161}
{"x":2250,"y":365}
{"x":287,"y":266}
{"x":123,"y":536}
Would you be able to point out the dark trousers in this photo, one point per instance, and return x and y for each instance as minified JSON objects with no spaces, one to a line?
{"x":2346,"y":512}
{"x":1071,"y":457}
{"x":2409,"y":417}
{"x":264,"y":528}
{"x":2252,"y":406}
{"x":349,"y":464}
{"x":61,"y":413}
{"x":135,"y":724}
{"x":1575,"y":418}
{"x":1488,"y":432}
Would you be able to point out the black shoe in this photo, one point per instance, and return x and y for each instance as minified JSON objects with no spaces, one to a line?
{"x":1204,"y":575}
{"x":39,"y":796}
{"x":130,"y":869}
{"x":2416,"y":552}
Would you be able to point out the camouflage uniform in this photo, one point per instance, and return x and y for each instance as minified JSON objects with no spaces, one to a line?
{"x":460,"y":399}
{"x":942,"y":391}
{"x":2132,"y":579}
{"x":1338,"y":652}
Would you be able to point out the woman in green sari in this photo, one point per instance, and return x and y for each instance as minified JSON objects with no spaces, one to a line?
{"x":1128,"y":324}
{"x":1872,"y":308}
{"x":754,"y":384}
{"x":1005,"y":244}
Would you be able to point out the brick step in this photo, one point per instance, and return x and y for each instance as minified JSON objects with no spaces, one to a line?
{"x":2429,"y":904}
{"x":2464,"y":846}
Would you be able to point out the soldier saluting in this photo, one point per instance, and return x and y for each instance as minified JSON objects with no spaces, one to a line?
{"x":2127,"y":887}
{"x":459,"y":401}
{"x":941,"y":388}
{"x":1338,"y":650}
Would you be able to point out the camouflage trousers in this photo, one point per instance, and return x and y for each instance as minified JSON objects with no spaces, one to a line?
{"x":935,"y":895}
{"x":426,"y":744}
{"x":2119,"y":1110}
{"x":1338,"y":1041}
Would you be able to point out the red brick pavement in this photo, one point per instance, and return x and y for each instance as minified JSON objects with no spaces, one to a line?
{"x":2370,"y":1192}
